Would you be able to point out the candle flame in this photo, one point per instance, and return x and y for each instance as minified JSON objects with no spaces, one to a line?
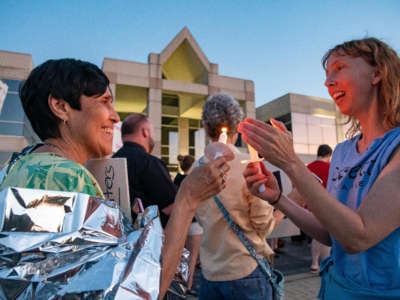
{"x":223,"y":137}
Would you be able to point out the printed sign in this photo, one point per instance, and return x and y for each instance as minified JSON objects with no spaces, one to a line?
{"x":112,"y":175}
{"x":3,"y":93}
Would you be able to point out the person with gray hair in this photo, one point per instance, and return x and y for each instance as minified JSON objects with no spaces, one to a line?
{"x":221,"y":110}
{"x":228,"y":269}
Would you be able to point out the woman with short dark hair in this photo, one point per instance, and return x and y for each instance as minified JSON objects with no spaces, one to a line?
{"x":70,"y":106}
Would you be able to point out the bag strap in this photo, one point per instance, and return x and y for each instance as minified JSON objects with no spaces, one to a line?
{"x":263,"y":263}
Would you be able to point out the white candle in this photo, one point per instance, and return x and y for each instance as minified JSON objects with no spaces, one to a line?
{"x":223,"y":137}
{"x":254,"y":158}
{"x":253,"y":153}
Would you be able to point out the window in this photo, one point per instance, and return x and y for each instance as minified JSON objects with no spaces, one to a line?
{"x":169,"y":131}
{"x":311,"y":131}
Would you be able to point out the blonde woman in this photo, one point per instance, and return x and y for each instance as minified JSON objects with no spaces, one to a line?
{"x":359,"y":213}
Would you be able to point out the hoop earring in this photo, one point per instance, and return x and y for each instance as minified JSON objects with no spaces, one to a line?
{"x":65,"y":122}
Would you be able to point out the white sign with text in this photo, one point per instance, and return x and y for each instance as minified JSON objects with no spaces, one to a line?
{"x":112,"y":176}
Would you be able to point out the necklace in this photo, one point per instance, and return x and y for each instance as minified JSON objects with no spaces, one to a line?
{"x":56,"y":147}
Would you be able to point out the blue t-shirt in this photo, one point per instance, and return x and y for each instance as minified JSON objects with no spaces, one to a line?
{"x":351,"y":176}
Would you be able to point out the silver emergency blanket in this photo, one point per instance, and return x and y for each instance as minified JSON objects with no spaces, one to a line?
{"x":182,"y":273}
{"x":63,"y":245}
{"x":178,"y":286}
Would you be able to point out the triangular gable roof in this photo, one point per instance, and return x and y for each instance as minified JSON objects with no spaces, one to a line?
{"x":177,"y":41}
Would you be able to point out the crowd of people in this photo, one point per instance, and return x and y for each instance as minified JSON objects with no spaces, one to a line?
{"x":356,"y":209}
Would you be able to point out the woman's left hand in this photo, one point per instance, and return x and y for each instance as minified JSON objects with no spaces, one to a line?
{"x":274,"y":143}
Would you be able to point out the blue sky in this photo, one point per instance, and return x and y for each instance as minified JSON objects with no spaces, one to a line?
{"x":277,"y":44}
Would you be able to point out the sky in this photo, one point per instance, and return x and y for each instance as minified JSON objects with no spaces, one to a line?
{"x":277,"y":44}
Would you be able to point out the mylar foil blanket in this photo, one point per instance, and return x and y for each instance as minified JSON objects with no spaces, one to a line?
{"x":63,"y":245}
{"x":179,"y":285}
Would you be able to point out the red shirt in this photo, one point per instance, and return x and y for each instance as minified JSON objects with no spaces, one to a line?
{"x":321,"y":169}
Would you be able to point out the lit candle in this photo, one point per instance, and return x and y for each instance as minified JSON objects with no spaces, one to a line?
{"x":254,"y":158}
{"x":253,"y":154}
{"x":223,"y":137}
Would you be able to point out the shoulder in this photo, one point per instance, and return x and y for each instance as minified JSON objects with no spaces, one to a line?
{"x":155,"y":161}
{"x":318,"y":164}
{"x":345,"y":148}
{"x":152,"y":166}
{"x":135,"y":155}
{"x":120,"y":152}
{"x":312,"y":164}
{"x":75,"y":177}
{"x":129,"y":150}
{"x":52,"y":172}
{"x":60,"y":165}
{"x":179,"y":178}
{"x":350,"y":143}
{"x":393,"y":163}
{"x":48,"y":160}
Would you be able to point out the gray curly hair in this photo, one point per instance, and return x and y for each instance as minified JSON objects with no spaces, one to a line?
{"x":221,"y":110}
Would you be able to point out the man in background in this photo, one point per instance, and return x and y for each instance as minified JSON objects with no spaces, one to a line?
{"x":320,"y":166}
{"x":149,"y":178}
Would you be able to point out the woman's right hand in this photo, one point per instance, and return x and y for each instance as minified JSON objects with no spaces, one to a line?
{"x":254,"y":179}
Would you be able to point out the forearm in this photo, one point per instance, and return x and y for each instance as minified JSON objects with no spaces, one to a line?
{"x":340,"y":221}
{"x":175,"y":236}
{"x":303,"y":219}
{"x":202,"y":183}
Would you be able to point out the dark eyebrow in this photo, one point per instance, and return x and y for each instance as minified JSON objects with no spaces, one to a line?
{"x":107,"y":97}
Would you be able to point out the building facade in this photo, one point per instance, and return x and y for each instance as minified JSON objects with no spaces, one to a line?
{"x":312,"y":121}
{"x":170,"y":89}
{"x":15,"y":129}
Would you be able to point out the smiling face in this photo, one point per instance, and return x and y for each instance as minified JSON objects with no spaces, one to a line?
{"x":92,"y":126}
{"x":352,"y":83}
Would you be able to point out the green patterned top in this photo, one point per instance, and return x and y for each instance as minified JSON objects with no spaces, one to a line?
{"x":49,"y":171}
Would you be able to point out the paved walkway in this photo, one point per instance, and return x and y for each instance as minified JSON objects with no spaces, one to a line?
{"x":294,"y":263}
{"x":303,"y":286}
